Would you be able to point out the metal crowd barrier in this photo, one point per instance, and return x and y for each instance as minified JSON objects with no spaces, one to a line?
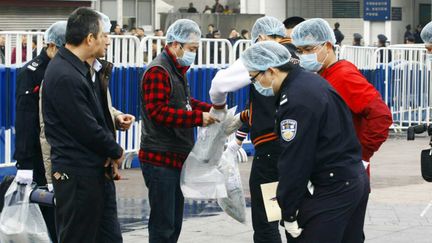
{"x":19,"y":41}
{"x":400,"y":73}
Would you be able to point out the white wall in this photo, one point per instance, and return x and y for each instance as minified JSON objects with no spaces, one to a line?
{"x":376,"y":29}
{"x":398,"y":27}
{"x":348,"y":27}
{"x":275,"y":8}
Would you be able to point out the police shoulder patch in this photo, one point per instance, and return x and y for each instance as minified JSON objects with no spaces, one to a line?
{"x":288,"y":129}
{"x":34,"y":65}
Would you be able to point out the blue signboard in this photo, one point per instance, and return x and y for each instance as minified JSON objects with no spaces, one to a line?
{"x":377,"y":10}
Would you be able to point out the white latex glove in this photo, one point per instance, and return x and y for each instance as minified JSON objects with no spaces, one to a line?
{"x":365,"y":164}
{"x":293,"y":229}
{"x":233,"y":78}
{"x":24,"y":176}
{"x":310,"y":187}
{"x":234,"y":146}
{"x":50,"y":187}
{"x":234,"y":125}
{"x":219,"y":114}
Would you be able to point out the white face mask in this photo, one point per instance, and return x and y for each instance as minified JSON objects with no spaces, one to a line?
{"x":187,"y":59}
{"x":264,"y":91}
{"x":310,"y":61}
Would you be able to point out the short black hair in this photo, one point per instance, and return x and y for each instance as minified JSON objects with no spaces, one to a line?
{"x":211,"y":25}
{"x":82,"y":22}
{"x":244,"y":31}
{"x":289,"y":66}
{"x":337,"y":25}
{"x":276,"y":36}
{"x":291,"y":22}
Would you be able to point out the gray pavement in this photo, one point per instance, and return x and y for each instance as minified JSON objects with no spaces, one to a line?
{"x":398,"y":197}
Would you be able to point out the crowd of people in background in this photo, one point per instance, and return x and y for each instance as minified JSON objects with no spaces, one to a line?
{"x":413,"y":37}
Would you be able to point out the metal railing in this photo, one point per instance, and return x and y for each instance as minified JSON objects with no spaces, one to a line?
{"x":16,"y":46}
{"x":362,"y":57}
{"x":125,"y":51}
{"x":400,"y":73}
{"x":407,"y":83}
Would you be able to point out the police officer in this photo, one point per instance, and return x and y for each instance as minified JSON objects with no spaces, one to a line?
{"x":27,"y":146}
{"x":258,"y":120}
{"x":323,"y":187}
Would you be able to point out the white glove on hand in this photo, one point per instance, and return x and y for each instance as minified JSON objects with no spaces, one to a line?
{"x":234,"y":125}
{"x":219,"y":114}
{"x":24,"y":176}
{"x":234,"y":146}
{"x":50,"y":187}
{"x":292,"y":228}
{"x":365,"y":164}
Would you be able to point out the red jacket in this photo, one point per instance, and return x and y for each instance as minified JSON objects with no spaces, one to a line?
{"x":371,"y":116}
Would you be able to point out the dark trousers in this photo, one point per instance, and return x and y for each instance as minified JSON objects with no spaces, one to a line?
{"x":79,"y":208}
{"x":334,"y":213}
{"x":166,"y":203}
{"x":47,"y":212}
{"x":110,"y":227}
{"x":264,"y":170}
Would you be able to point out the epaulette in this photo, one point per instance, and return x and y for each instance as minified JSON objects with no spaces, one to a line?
{"x":34,"y":64}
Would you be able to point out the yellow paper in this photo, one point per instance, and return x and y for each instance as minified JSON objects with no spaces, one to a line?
{"x":270,"y":203}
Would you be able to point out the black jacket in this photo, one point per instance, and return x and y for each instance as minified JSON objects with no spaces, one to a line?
{"x":261,"y":113}
{"x":318,"y":140}
{"x":74,"y":118}
{"x":27,"y":146}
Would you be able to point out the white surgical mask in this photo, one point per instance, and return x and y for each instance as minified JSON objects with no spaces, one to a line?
{"x":262,"y":90}
{"x":310,"y":61}
{"x":187,"y":59}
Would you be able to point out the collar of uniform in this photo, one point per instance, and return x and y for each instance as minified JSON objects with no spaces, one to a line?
{"x":291,"y":75}
{"x":74,"y":60}
{"x":97,"y":66}
{"x":44,"y":56}
{"x":181,"y":68}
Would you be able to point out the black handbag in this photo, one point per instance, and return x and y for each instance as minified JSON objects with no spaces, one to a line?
{"x":426,"y":164}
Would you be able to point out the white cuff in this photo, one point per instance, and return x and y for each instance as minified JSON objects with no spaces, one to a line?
{"x":235,"y":77}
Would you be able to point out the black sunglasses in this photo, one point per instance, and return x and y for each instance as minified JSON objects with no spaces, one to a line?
{"x":253,"y":79}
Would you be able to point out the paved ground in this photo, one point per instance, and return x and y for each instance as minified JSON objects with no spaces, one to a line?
{"x":398,"y":197}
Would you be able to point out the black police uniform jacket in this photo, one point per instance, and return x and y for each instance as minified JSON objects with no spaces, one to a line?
{"x":27,"y":146}
{"x":317,"y":137}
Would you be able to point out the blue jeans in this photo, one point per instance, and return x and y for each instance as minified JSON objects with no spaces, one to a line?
{"x":110,"y":228}
{"x":166,"y":203}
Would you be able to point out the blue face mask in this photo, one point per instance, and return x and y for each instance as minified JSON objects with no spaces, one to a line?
{"x":310,"y":62}
{"x":187,"y":59}
{"x":264,"y":91}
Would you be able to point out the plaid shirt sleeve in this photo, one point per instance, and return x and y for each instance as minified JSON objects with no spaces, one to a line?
{"x":156,"y":89}
{"x":199,"y":105}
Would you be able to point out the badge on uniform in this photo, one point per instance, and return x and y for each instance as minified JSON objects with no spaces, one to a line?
{"x":288,"y":129}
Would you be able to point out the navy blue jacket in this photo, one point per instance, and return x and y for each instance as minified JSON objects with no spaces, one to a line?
{"x":317,"y":137}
